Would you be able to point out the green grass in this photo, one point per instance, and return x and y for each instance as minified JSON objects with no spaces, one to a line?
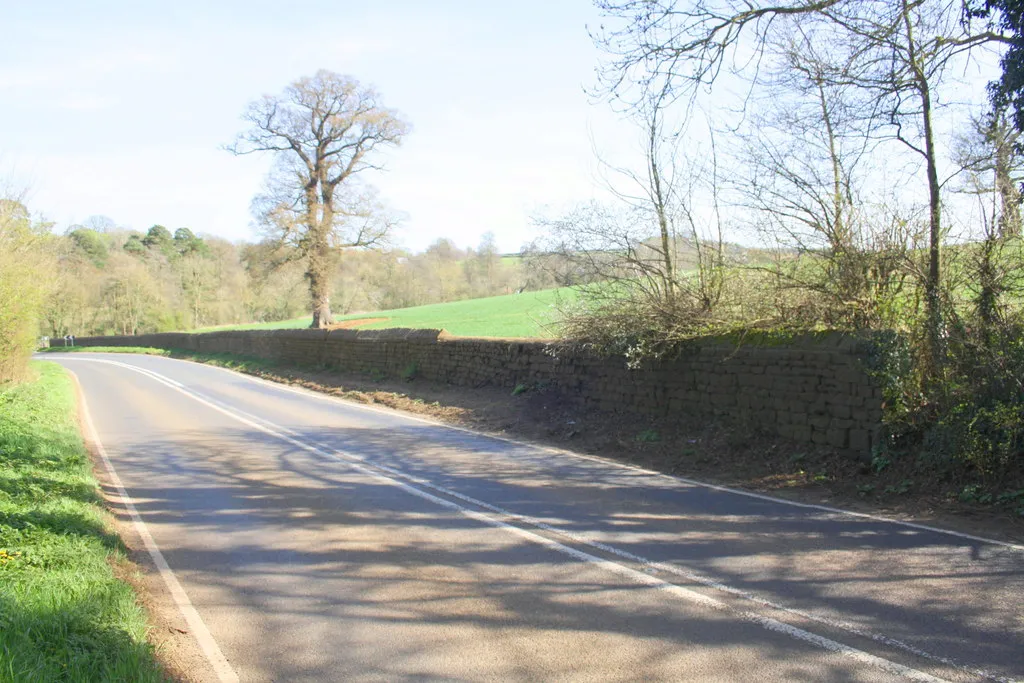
{"x":530,"y":314}
{"x":63,"y":614}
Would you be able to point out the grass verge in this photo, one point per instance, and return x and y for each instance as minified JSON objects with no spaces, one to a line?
{"x":63,"y":614}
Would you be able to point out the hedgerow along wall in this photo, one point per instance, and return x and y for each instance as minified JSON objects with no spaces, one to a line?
{"x":812,"y":389}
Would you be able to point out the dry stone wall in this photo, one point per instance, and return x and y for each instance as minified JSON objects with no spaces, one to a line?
{"x":814,"y":389}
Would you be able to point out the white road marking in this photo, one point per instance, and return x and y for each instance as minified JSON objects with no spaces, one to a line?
{"x":225,"y":673}
{"x":640,"y":577}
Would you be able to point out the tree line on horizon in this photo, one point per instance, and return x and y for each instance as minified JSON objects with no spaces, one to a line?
{"x":109,"y":280}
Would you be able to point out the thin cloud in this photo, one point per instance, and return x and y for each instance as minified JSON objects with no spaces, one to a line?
{"x":82,"y":103}
{"x":69,"y":70}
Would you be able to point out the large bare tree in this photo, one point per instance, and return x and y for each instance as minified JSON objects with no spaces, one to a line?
{"x":324,"y":131}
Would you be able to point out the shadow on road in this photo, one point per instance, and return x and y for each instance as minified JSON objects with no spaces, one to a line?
{"x":381,"y":582}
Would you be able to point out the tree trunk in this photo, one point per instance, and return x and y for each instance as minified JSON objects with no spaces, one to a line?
{"x":318,"y":225}
{"x":654,"y":170}
{"x":1009,"y":195}
{"x":988,"y":297}
{"x":320,"y":287}
{"x":932,"y":301}
{"x":321,"y":300}
{"x":933,"y":312}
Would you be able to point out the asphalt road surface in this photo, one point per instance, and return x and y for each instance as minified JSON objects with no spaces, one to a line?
{"x":308,"y":538}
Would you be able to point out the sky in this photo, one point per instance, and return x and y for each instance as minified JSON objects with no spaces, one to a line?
{"x":122,"y":108}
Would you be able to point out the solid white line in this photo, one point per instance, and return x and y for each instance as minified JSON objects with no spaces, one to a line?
{"x":637,"y":576}
{"x":225,"y":673}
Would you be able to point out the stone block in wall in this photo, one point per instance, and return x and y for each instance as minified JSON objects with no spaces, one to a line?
{"x":841,"y":398}
{"x":722,"y":400}
{"x":849,"y":375}
{"x":801,"y":433}
{"x":859,"y":441}
{"x":838,"y":437}
{"x":839,"y":410}
{"x":813,"y":401}
{"x":819,"y":422}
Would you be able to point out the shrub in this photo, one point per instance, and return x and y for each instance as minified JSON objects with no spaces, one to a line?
{"x":24,"y":260}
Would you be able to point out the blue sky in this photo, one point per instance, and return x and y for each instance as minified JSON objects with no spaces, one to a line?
{"x":120,"y":108}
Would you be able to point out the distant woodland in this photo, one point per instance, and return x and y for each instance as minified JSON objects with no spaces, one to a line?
{"x":109,"y":280}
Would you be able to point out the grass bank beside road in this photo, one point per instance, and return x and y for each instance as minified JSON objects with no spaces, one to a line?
{"x":63,"y":614}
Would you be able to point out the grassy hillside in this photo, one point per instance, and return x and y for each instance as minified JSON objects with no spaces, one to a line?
{"x":530,"y":314}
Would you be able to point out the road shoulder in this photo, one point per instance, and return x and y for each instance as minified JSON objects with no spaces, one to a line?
{"x":176,"y":648}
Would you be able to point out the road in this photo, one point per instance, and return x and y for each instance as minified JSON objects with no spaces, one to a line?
{"x":316,"y":539}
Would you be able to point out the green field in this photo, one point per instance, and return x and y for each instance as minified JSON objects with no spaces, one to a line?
{"x":63,"y":615}
{"x":530,"y":314}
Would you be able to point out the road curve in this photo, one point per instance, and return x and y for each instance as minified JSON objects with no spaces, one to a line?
{"x":318,"y":539}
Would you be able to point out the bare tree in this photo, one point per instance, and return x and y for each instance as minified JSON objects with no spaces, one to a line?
{"x":198,"y":285}
{"x":801,"y":157}
{"x":663,"y":200}
{"x":131,"y":295}
{"x":806,"y":153}
{"x":324,"y":131}
{"x":992,"y":157}
{"x":653,"y":261}
{"x":992,"y":160}
{"x":900,"y":52}
{"x":653,"y":191}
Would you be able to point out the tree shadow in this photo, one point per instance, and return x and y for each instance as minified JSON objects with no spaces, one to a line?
{"x":346,"y":569}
